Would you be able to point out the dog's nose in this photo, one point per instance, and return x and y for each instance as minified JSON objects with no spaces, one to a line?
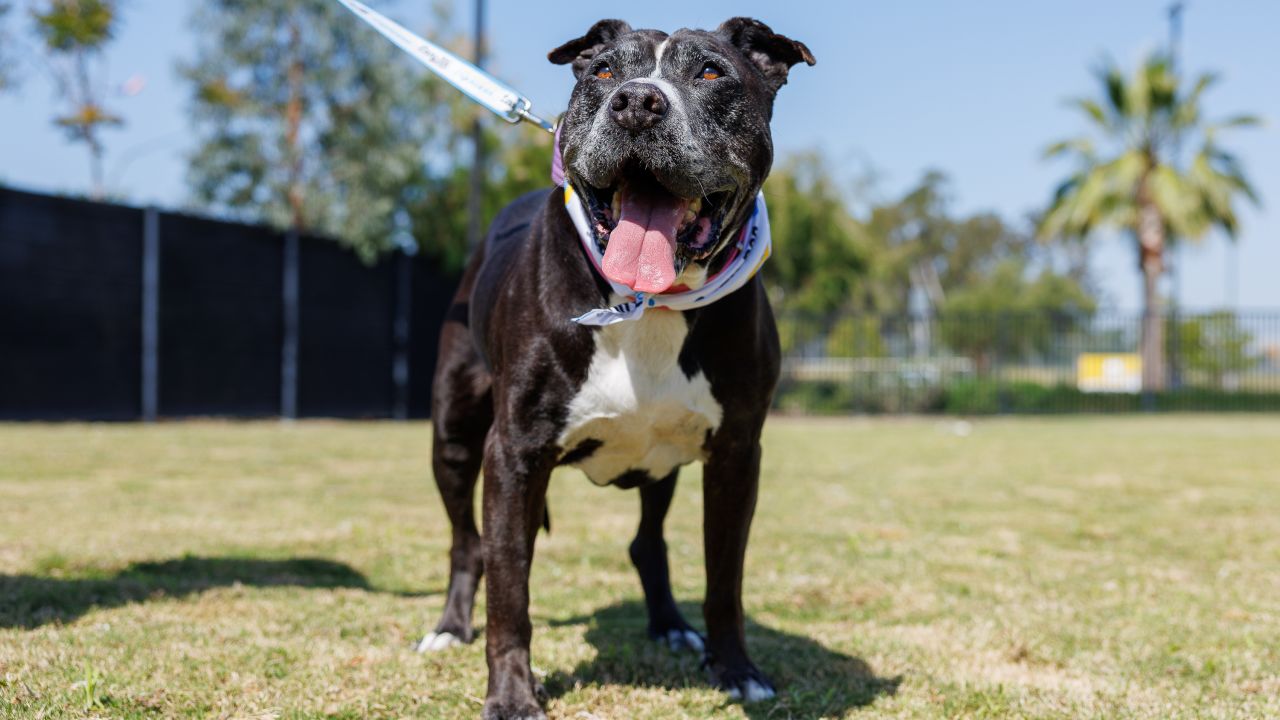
{"x":638,"y":106}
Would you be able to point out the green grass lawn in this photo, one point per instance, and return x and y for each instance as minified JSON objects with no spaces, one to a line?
{"x":1076,"y":567}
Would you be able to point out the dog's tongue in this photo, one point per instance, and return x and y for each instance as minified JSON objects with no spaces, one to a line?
{"x":641,"y":250}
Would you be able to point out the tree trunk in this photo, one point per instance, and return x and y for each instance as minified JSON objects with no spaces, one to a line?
{"x":293,"y":128}
{"x":84,"y":107}
{"x":97,"y":190}
{"x":1151,"y":262}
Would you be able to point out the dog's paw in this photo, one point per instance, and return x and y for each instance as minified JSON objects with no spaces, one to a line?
{"x":683,"y":640}
{"x":752,"y":690}
{"x":748,"y":685}
{"x":436,"y":641}
{"x":495,"y":710}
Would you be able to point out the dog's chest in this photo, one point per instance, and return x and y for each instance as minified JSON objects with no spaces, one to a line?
{"x":637,"y":410}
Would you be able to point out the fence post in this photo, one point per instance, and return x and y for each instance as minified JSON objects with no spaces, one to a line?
{"x":150,"y":314}
{"x":1002,"y":392}
{"x":401,"y":335}
{"x":289,"y":340}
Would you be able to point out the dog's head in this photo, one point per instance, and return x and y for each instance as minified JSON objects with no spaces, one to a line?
{"x":667,"y":141}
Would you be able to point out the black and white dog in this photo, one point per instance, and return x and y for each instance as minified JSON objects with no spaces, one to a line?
{"x":665,"y":145}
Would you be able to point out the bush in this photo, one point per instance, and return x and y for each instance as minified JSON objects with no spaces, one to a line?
{"x":988,"y":397}
{"x":829,"y":397}
{"x":992,"y":397}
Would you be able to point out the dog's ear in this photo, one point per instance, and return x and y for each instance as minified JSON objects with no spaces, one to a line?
{"x":580,"y":51}
{"x":774,"y":54}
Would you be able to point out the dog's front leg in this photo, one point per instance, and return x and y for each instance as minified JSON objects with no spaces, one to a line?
{"x":730,"y":479}
{"x":515,"y":486}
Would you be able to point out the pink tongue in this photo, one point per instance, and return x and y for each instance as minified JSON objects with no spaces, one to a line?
{"x":641,"y":249}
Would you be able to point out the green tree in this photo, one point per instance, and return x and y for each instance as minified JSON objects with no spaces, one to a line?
{"x":821,"y":258}
{"x":6,"y":43}
{"x":1012,"y":312}
{"x":309,"y":119}
{"x":519,"y":161}
{"x":918,"y":245}
{"x":1136,"y":183}
{"x":75,"y":32}
{"x":1216,"y":347}
{"x":820,"y":264}
{"x":306,"y":119}
{"x":994,"y":289}
{"x":909,"y":236}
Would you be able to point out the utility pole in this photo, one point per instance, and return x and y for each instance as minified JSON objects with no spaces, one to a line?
{"x":476,"y":196}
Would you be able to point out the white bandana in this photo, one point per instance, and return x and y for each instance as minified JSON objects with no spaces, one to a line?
{"x":754,"y":245}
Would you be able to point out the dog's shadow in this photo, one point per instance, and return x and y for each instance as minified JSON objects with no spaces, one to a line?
{"x":813,"y":681}
{"x":29,"y":601}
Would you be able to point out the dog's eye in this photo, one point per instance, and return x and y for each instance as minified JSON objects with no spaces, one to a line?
{"x":710,"y":72}
{"x":604,"y":72}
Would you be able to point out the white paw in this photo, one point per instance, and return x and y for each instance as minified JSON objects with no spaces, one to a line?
{"x":751,"y":691}
{"x":679,"y":640}
{"x":434,"y":642}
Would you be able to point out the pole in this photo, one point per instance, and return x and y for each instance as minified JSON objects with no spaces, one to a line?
{"x":401,"y":329}
{"x":290,"y":287}
{"x":476,"y":196}
{"x":150,"y":314}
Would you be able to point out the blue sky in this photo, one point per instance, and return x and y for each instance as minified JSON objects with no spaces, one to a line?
{"x":973,"y":89}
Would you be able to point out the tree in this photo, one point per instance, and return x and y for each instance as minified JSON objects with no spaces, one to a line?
{"x":910,"y":236}
{"x":821,"y":259}
{"x":1137,"y":184}
{"x":311,"y":120}
{"x":6,"y":42}
{"x":307,"y":119}
{"x":993,"y":289}
{"x":1215,"y":346}
{"x":820,"y":264}
{"x":75,"y":32}
{"x":519,"y":161}
{"x":1012,"y":312}
{"x":920,"y":247}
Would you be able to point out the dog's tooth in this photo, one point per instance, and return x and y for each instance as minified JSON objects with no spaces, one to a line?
{"x":616,"y":206}
{"x":690,"y":215}
{"x":696,"y":206}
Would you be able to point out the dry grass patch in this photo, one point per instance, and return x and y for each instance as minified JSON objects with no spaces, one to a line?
{"x":1076,"y":567}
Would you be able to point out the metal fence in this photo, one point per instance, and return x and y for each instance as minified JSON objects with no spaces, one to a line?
{"x":1023,"y":363}
{"x":118,"y":313}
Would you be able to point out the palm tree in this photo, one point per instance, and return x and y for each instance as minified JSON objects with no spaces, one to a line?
{"x":1137,"y":183}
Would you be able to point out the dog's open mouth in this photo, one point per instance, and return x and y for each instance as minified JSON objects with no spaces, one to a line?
{"x":650,"y":233}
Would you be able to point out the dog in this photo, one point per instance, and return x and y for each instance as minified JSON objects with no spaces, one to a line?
{"x":665,"y":146}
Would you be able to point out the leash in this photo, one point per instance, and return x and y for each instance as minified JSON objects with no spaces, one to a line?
{"x":752,"y":248}
{"x":475,"y":83}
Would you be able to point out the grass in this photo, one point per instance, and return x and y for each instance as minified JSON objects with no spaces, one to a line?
{"x":1068,"y":567}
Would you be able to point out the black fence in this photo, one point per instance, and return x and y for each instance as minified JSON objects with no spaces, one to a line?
{"x":1017,"y":363}
{"x":118,"y":313}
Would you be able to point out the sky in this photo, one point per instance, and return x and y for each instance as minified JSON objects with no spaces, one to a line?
{"x":975,"y":89}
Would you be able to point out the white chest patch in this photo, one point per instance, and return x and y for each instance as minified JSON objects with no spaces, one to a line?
{"x":638,"y":403}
